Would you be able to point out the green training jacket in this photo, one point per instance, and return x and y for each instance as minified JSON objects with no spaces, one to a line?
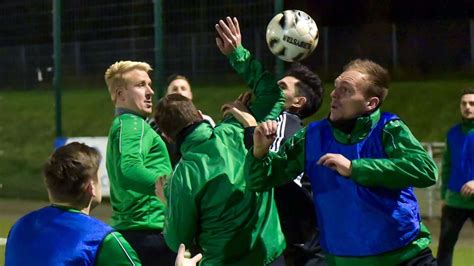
{"x":208,"y":202}
{"x":407,"y":164}
{"x":452,"y":198}
{"x":136,"y":157}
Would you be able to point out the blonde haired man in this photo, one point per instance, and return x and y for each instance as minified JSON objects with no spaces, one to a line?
{"x":136,"y":157}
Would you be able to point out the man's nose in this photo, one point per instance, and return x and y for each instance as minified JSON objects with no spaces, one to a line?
{"x":150,"y":90}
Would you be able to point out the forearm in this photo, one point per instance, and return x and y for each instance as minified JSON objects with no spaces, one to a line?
{"x":407,"y":163}
{"x":269,"y":100}
{"x":276,"y":168}
{"x":395,"y":173}
{"x":138,"y":178}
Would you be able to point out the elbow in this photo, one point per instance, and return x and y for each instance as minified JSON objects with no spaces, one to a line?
{"x":431,"y":177}
{"x":127,"y":170}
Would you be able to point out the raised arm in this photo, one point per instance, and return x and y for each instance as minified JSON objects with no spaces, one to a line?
{"x":269,"y":98}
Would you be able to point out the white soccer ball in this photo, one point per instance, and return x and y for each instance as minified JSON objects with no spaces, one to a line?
{"x":292,"y":35}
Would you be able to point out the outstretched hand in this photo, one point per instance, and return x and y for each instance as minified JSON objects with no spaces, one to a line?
{"x":336,"y":162}
{"x":263,"y":138}
{"x":229,"y":35}
{"x":182,"y":261}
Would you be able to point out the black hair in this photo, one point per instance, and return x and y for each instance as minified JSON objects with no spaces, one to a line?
{"x":467,"y":91}
{"x":308,"y":86}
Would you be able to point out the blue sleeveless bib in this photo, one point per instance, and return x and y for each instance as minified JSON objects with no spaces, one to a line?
{"x":54,"y":236}
{"x":461,"y":147}
{"x":355,"y":220}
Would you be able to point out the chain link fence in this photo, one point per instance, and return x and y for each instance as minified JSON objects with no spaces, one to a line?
{"x":98,"y":33}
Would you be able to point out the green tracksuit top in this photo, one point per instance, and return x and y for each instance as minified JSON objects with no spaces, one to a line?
{"x":207,"y":197}
{"x":407,"y":164}
{"x":136,"y":157}
{"x":452,"y":198}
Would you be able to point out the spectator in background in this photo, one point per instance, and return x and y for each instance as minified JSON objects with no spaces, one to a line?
{"x":177,"y":84}
{"x":180,"y":84}
{"x":457,"y":183}
{"x":64,"y":233}
{"x":136,"y":157}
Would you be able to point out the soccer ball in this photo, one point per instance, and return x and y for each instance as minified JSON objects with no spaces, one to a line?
{"x":292,"y":35}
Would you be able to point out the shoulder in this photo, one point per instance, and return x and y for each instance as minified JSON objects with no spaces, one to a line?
{"x":187,"y":174}
{"x":116,"y":250}
{"x":455,"y":128}
{"x":396,"y":127}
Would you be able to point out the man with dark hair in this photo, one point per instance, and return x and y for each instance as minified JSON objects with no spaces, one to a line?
{"x":362,"y":165}
{"x":457,"y":182}
{"x":303,"y":92}
{"x":206,"y":195}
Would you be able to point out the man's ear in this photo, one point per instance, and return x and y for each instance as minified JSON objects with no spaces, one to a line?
{"x":373,"y":103}
{"x":299,"y":102}
{"x":90,"y":188}
{"x":119,"y":93}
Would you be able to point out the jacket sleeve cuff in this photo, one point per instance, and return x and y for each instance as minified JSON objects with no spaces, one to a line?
{"x":240,"y":54}
{"x":357,"y":173}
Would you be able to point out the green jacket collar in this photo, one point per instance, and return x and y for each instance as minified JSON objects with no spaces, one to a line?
{"x":195,"y":134}
{"x":467,"y":125}
{"x":67,"y":208}
{"x":121,"y":111}
{"x":363,"y":126}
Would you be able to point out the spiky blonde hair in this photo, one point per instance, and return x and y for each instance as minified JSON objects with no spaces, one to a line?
{"x":114,"y":74}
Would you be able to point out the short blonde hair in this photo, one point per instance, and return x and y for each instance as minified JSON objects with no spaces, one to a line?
{"x":114,"y":74}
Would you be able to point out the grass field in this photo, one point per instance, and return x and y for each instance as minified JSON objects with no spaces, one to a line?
{"x":13,"y":209}
{"x":27,"y":130}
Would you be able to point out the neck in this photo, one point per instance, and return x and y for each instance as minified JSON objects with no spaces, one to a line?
{"x":85,"y":210}
{"x":119,"y":110}
{"x":186,"y":131}
{"x":348,"y":125}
